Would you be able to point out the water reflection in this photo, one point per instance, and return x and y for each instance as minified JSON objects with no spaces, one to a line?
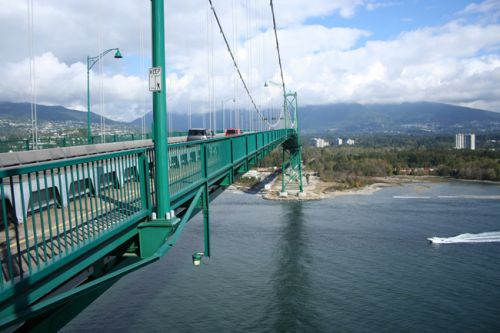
{"x":291,"y":278}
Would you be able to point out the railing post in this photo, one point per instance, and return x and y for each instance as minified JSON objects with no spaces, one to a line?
{"x":144,"y":180}
{"x":231,"y":144}
{"x":283,"y":169}
{"x":204,"y":162}
{"x":160,"y":124}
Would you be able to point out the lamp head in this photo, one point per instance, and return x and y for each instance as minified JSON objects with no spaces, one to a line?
{"x":118,"y":55}
{"x":197,"y":258}
{"x":265,"y":84}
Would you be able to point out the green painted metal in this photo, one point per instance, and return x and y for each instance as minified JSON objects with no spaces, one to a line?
{"x":160,"y":118}
{"x":69,"y":141}
{"x":291,"y":176}
{"x":75,"y":212}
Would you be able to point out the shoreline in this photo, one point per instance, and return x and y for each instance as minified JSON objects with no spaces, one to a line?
{"x":269,"y":186}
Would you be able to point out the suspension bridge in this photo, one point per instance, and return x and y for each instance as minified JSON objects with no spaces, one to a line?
{"x":75,"y":220}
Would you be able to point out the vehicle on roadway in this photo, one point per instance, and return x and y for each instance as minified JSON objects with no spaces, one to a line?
{"x":199,"y":134}
{"x":233,"y":131}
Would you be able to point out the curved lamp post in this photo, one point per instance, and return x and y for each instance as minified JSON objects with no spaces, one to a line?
{"x":91,"y":61}
{"x":222,"y":103}
{"x":272,"y":83}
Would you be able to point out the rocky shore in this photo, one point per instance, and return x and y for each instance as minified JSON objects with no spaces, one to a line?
{"x":267,"y":183}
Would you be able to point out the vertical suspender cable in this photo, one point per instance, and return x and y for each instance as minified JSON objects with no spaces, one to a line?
{"x":212,"y":82}
{"x":32,"y":72}
{"x":245,"y":86}
{"x":249,"y":56}
{"x":101,"y":80}
{"x":142,"y":70}
{"x":208,"y":68}
{"x":235,"y":47}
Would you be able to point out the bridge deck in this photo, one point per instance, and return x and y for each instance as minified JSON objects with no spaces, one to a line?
{"x":49,"y":209}
{"x":56,"y":216}
{"x":56,"y":229}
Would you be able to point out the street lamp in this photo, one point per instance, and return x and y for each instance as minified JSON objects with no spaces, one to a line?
{"x":222,"y":107}
{"x":91,"y":61}
{"x":197,"y":256}
{"x":269,"y":83}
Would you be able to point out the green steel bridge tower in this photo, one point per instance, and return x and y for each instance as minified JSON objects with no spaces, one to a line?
{"x":71,"y":226}
{"x":291,"y":170}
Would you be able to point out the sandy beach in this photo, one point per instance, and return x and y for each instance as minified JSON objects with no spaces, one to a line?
{"x":269,"y":186}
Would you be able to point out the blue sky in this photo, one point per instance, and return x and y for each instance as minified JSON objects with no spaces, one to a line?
{"x":362,"y":51}
{"x":391,"y":18}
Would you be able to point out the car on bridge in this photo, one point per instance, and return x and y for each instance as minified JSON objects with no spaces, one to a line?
{"x":199,"y":134}
{"x":232,"y":131}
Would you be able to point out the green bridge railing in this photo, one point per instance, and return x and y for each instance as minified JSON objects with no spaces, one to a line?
{"x":70,"y":141}
{"x":52,"y":213}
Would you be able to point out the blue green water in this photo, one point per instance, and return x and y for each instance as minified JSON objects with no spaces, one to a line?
{"x":349,"y":264}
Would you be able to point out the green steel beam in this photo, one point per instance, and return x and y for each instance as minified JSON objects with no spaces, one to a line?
{"x":53,"y":321}
{"x":160,"y":119}
{"x":53,"y":302}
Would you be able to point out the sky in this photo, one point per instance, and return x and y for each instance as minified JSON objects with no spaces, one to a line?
{"x":333,"y":51}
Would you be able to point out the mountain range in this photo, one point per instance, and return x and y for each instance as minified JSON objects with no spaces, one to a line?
{"x":404,"y":117}
{"x":357,"y":118}
{"x":22,"y":112}
{"x":342,"y":118}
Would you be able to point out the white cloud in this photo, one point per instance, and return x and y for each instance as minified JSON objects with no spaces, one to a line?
{"x":457,"y":62}
{"x":61,"y":84}
{"x":488,"y":11}
{"x":376,"y":5}
{"x":438,"y":64}
{"x":486,"y":6}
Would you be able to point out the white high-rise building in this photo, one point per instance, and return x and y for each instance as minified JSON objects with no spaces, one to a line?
{"x":319,"y":143}
{"x":465,"y":141}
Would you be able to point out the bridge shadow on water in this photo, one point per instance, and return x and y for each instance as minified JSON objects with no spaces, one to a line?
{"x":290,"y":305}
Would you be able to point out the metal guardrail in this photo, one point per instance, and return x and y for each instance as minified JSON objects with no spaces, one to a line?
{"x":49,"y":211}
{"x":70,"y":141}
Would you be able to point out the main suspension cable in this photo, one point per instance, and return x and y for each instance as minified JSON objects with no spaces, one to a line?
{"x":234,"y":60}
{"x":279,"y":60}
{"x":277,"y":46}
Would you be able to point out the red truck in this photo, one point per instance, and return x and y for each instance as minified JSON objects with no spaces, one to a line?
{"x":233,"y":131}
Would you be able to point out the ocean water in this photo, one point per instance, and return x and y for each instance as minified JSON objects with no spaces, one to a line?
{"x":359,"y":263}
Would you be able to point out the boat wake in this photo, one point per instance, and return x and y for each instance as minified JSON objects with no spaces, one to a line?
{"x":484,"y":237}
{"x":477,"y":197}
{"x":481,"y":197}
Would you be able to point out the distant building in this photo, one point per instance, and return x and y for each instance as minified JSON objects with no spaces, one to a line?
{"x":465,"y":141}
{"x":350,"y":142}
{"x":339,"y":141}
{"x":319,"y":143}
